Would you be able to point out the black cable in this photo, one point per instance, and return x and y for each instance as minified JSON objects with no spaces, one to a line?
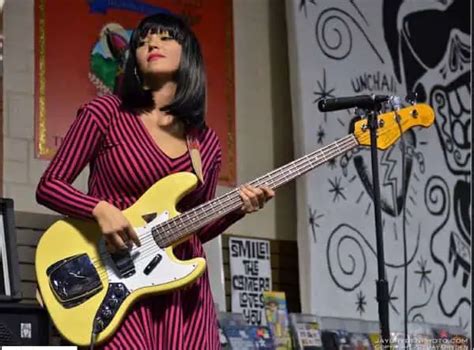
{"x":93,"y":334}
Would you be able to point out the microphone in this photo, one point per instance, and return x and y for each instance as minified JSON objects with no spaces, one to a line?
{"x":361,"y":101}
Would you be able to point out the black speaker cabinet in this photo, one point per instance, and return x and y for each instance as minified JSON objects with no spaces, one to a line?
{"x":23,"y":324}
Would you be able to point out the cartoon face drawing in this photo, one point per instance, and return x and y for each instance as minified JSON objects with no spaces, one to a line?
{"x":432,"y":56}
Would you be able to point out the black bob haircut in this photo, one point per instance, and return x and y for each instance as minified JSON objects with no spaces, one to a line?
{"x":189,"y":103}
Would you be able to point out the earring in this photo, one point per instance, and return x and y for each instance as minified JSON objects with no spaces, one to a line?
{"x":136,"y":75}
{"x":144,"y":87}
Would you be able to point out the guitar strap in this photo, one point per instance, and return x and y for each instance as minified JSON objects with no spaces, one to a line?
{"x":195,"y":153}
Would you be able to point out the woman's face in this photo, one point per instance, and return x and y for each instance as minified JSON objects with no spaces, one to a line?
{"x":158,"y":55}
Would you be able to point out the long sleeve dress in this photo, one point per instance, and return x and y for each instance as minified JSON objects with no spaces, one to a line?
{"x":124,"y":162}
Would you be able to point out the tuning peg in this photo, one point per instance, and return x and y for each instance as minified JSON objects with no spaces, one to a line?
{"x":395,"y":102}
{"x":411,"y":98}
{"x":359,"y":112}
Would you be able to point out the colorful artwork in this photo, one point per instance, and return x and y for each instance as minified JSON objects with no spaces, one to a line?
{"x":81,"y":47}
{"x":262,"y":337}
{"x":276,"y":313}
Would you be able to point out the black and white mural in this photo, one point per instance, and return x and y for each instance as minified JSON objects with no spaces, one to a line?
{"x":392,"y":47}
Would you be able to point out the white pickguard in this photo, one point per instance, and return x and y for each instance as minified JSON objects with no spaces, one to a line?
{"x":165,"y":272}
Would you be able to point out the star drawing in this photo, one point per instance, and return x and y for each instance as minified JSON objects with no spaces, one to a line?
{"x":320,"y":134}
{"x":332,"y":163}
{"x":337,"y":189}
{"x":360,"y":303}
{"x":303,"y":4}
{"x":391,"y":297}
{"x":313,"y":217}
{"x":423,"y":272}
{"x":323,"y":92}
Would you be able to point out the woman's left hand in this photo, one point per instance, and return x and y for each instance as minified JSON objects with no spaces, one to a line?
{"x":254,"y":198}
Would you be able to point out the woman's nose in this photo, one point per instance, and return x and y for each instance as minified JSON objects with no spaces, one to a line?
{"x":153,"y":44}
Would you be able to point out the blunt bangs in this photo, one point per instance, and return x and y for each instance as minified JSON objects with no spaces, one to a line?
{"x":158,"y":24}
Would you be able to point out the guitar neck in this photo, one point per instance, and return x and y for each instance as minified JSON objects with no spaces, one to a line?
{"x":181,"y":226}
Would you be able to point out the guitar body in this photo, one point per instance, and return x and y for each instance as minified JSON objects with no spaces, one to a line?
{"x":79,"y":282}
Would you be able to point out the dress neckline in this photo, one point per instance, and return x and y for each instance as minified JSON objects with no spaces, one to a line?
{"x":157,"y":147}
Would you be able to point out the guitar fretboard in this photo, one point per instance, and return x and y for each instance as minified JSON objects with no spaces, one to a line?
{"x":181,"y":226}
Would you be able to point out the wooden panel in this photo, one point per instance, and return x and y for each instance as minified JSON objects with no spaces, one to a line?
{"x":38,"y":222}
{"x":26,"y":254}
{"x":28,"y":290}
{"x":27,"y":237}
{"x":27,"y":273}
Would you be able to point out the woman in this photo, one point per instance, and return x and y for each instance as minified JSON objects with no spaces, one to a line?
{"x":130,"y":142}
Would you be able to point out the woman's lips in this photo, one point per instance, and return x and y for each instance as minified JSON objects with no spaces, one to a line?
{"x":154,"y":56}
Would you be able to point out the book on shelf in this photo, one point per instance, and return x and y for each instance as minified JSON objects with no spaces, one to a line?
{"x":239,"y":337}
{"x":360,"y":341}
{"x":335,"y":339}
{"x":225,"y":320}
{"x":306,"y":331}
{"x":236,"y":333}
{"x":276,"y":314}
{"x":262,"y":337}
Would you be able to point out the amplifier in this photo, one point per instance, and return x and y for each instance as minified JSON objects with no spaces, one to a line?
{"x":23,"y":324}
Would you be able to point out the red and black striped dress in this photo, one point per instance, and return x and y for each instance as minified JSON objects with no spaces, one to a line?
{"x":124,"y":162}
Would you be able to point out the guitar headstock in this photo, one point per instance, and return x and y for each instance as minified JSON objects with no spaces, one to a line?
{"x":388,"y":131}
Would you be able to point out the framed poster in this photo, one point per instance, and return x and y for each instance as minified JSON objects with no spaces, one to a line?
{"x":81,"y":47}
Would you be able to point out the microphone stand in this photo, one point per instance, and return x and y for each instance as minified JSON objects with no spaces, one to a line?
{"x":382,"y":284}
{"x":372,"y":105}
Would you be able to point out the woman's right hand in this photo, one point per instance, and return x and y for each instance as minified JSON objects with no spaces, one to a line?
{"x":117,"y":230}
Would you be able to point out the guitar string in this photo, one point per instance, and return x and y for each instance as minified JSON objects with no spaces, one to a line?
{"x":268,"y":179}
{"x":232,"y":198}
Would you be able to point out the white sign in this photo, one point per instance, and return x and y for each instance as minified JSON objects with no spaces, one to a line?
{"x":251,"y":274}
